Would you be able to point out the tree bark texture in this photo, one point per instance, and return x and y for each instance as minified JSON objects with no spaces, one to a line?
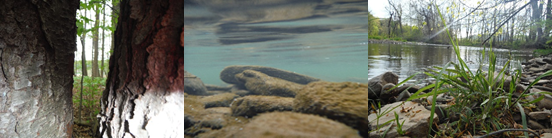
{"x":37,"y":41}
{"x":144,"y":95}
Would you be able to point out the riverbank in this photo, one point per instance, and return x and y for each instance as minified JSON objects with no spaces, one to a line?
{"x":479,"y":110}
{"x":385,"y":41}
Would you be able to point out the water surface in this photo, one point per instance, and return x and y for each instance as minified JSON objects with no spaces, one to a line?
{"x":406,"y":60}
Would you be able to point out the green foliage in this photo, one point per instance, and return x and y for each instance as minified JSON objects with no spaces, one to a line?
{"x":373,"y":25}
{"x":78,"y":66}
{"x":399,"y":125}
{"x":541,"y":52}
{"x":375,"y":37}
{"x":92,"y":90}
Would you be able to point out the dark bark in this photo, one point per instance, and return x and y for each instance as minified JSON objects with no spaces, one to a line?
{"x":144,"y":94}
{"x":37,"y":40}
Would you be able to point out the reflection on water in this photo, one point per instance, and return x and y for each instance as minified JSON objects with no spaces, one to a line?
{"x":323,"y":39}
{"x":406,"y":60}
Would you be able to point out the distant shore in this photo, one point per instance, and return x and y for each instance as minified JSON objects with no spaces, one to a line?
{"x":400,"y":42}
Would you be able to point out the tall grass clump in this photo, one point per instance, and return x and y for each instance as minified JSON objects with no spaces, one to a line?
{"x":484,"y":100}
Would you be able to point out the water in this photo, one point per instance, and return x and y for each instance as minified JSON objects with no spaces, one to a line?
{"x":406,"y":60}
{"x":326,"y":40}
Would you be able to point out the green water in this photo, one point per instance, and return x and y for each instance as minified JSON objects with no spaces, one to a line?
{"x":329,"y":44}
{"x":406,"y":60}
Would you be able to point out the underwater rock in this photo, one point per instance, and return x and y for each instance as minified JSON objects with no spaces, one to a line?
{"x":291,"y":124}
{"x":193,"y":84}
{"x":219,"y":100}
{"x":376,"y":84}
{"x":193,"y":111}
{"x":250,"y":106}
{"x":239,"y":91}
{"x":219,"y":110}
{"x":232,"y":125}
{"x":261,"y":84}
{"x":228,"y":74}
{"x":345,"y":102}
{"x":218,"y":88}
{"x":414,"y":115}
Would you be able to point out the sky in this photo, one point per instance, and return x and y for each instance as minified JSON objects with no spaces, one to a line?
{"x":377,"y":8}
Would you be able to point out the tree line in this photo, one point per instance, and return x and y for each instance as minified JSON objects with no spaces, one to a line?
{"x":502,"y":23}
{"x":96,"y":29}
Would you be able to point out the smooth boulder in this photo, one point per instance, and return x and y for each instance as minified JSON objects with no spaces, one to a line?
{"x":261,"y":84}
{"x":414,"y":116}
{"x":228,"y":74}
{"x":346,"y":102}
{"x":193,"y":84}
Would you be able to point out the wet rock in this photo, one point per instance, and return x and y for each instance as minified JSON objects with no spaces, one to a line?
{"x":193,"y":84}
{"x":219,"y":100}
{"x":414,"y":115}
{"x":376,"y":84}
{"x":250,"y":106}
{"x":387,"y":94}
{"x":228,"y":74}
{"x":290,"y":124}
{"x":261,"y":84}
{"x":540,"y":115}
{"x":345,"y":102}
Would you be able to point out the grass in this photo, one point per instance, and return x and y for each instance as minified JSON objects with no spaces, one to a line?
{"x":487,"y":100}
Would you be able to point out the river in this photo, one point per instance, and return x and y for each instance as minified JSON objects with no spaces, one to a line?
{"x":406,"y":60}
{"x":323,"y":39}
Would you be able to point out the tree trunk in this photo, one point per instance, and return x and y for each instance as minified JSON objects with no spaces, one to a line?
{"x":103,"y":42}
{"x":37,"y":41}
{"x":95,"y":39}
{"x":144,"y":94}
{"x":548,"y":23}
{"x":83,"y":44}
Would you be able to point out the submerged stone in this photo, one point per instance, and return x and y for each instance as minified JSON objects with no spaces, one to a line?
{"x":296,"y":125}
{"x":261,"y":84}
{"x":228,"y":74}
{"x":250,"y":106}
{"x":345,"y":102}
